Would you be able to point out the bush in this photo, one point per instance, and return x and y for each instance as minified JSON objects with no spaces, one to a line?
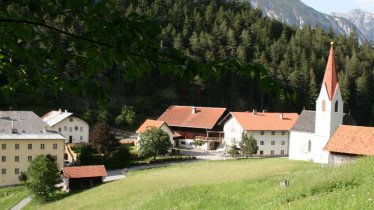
{"x":119,"y":159}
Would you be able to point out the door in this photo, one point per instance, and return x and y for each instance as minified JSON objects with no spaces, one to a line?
{"x":70,"y":139}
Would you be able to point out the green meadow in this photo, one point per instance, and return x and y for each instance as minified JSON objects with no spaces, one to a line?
{"x":232,"y":184}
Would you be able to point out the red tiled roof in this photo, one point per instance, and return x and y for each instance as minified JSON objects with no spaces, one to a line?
{"x":84,"y":171}
{"x":330,"y":80}
{"x":265,"y":121}
{"x":352,"y":140}
{"x":150,"y":123}
{"x":182,"y":116}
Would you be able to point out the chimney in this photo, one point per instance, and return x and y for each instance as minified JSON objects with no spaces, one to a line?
{"x":264,"y":110}
{"x":254,"y":111}
{"x":59,"y":111}
{"x":66,"y":111}
{"x":14,"y":130}
{"x":193,"y":110}
{"x":281,"y":116}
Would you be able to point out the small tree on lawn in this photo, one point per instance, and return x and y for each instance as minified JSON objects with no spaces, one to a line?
{"x":233,"y":150}
{"x":42,"y":176}
{"x":103,"y":139}
{"x":248,"y":145}
{"x":153,"y":142}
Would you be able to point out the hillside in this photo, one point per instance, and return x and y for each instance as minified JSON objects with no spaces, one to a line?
{"x":208,"y":31}
{"x":238,"y":184}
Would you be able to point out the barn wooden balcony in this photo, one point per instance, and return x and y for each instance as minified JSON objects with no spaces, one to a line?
{"x":208,"y":138}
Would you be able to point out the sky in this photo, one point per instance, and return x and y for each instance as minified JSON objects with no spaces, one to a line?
{"x":328,"y":6}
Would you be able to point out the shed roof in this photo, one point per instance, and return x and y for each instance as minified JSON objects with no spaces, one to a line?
{"x":183,"y":116}
{"x":356,"y":140}
{"x":265,"y":120}
{"x":85,"y":171}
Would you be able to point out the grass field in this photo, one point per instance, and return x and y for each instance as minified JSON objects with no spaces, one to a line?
{"x":10,"y":196}
{"x":232,"y":184}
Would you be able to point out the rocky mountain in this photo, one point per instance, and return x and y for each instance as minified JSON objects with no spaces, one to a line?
{"x":363,"y":20}
{"x":296,"y":13}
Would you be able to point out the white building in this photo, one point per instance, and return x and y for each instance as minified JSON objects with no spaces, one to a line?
{"x":313,"y":129}
{"x":271,"y":130}
{"x":73,"y":128}
{"x":156,"y":124}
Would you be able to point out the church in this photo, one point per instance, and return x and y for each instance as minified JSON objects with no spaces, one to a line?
{"x":313,"y":129}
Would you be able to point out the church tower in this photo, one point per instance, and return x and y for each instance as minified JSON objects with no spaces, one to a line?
{"x":329,"y":105}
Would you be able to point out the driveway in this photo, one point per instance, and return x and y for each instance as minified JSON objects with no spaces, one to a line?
{"x":204,"y":155}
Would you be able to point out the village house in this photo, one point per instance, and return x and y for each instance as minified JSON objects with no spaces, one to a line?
{"x":314,"y":128}
{"x":199,"y":124}
{"x":24,"y":136}
{"x":70,"y":126}
{"x":271,"y":130}
{"x":350,"y":142}
{"x":156,"y":124}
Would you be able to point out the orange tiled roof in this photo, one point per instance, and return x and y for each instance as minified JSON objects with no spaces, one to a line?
{"x":150,"y":123}
{"x":84,"y":171}
{"x":352,"y":140}
{"x":265,"y":121}
{"x":330,"y":79}
{"x":182,"y":116}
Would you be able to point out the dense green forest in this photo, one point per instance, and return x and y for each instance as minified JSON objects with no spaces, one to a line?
{"x":205,"y":30}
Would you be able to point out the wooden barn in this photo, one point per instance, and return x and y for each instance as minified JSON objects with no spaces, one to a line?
{"x":81,"y":177}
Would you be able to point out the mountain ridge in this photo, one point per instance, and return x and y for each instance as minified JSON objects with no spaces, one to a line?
{"x":296,"y":13}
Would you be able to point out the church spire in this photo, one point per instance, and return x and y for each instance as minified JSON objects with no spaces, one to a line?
{"x":330,"y":80}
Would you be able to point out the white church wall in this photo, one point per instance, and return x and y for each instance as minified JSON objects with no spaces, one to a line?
{"x":299,"y":145}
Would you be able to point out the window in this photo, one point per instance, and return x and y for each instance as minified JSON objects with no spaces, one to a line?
{"x":3,"y":146}
{"x":70,"y":129}
{"x":81,"y":129}
{"x":283,"y":133}
{"x":272,"y":132}
{"x":16,"y":171}
{"x":59,"y":129}
{"x":283,"y":142}
{"x":272,"y":142}
{"x":29,"y":146}
{"x":75,"y":128}
{"x":3,"y":158}
{"x":3,"y":171}
{"x":191,"y":143}
{"x":323,"y":105}
{"x":16,"y":158}
{"x":80,"y":137}
{"x":42,"y":146}
{"x":262,"y":132}
{"x":16,"y":146}
{"x":309,"y":146}
{"x":233,"y":129}
{"x":65,"y":128}
{"x":336,"y":106}
{"x":54,"y":146}
{"x":272,"y":152}
{"x":282,"y":152}
{"x":261,"y":142}
{"x":183,"y":142}
{"x":71,"y":119}
{"x":261,"y":152}
{"x":54,"y":157}
{"x":29,"y":158}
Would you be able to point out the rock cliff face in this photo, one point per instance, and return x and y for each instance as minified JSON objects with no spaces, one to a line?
{"x":296,"y":13}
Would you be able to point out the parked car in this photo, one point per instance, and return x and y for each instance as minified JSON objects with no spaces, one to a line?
{"x":67,"y":163}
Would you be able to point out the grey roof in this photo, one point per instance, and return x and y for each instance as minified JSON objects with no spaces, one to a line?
{"x":54,"y":117}
{"x":307,"y":121}
{"x":27,"y":125}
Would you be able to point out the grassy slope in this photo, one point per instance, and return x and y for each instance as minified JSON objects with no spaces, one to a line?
{"x":10,"y":196}
{"x":243,"y":184}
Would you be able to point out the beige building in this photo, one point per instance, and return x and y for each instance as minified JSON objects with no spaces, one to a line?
{"x":73,"y":128}
{"x":24,"y":136}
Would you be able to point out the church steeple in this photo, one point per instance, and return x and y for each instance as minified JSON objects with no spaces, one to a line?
{"x":330,"y":80}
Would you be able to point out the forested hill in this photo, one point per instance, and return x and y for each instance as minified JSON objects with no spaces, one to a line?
{"x":209,"y":29}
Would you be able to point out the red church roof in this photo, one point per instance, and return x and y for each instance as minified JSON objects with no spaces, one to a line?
{"x":357,"y":140}
{"x":85,"y":171}
{"x":265,"y":121}
{"x":192,"y":117}
{"x":330,"y":80}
